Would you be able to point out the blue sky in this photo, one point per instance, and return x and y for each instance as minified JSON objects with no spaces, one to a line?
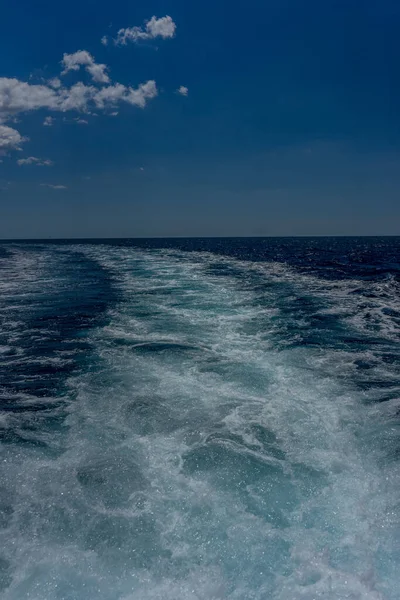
{"x":288,"y":124}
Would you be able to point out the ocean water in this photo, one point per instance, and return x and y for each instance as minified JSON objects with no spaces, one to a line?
{"x":200,"y":419}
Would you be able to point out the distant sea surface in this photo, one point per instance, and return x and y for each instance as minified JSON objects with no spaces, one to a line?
{"x":200,"y":419}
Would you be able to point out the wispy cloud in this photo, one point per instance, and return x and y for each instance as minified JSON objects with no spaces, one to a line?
{"x":182,"y":90}
{"x":54,"y":187}
{"x":32,"y":160}
{"x":111,"y":95}
{"x":104,"y":40}
{"x":73,"y":62}
{"x":49,"y":121}
{"x":54,"y":83}
{"x":163,"y":27}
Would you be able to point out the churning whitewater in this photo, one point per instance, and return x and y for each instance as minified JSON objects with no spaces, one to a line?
{"x":203,"y":420}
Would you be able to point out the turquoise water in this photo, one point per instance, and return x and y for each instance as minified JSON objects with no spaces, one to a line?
{"x":200,"y":420}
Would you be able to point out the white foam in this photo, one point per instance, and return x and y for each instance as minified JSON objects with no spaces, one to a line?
{"x":234,"y":468}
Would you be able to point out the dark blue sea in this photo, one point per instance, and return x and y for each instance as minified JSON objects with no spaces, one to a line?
{"x":200,"y":419}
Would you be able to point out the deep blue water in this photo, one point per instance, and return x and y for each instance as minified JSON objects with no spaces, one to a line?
{"x":200,"y":419}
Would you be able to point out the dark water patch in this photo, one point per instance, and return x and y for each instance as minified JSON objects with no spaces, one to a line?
{"x":391,"y":312}
{"x":363,"y":365}
{"x":20,"y":438}
{"x":380,"y":399}
{"x":268,"y":440}
{"x":12,"y":406}
{"x":7,"y":501}
{"x":164,"y":346}
{"x":148,"y":415}
{"x":309,"y":481}
{"x":71,"y":295}
{"x":357,"y":342}
{"x":256,"y":479}
{"x":5,"y":574}
{"x":5,"y":253}
{"x":130,"y":542}
{"x":111,"y":481}
{"x":224,"y":270}
{"x":376,"y":384}
{"x":229,"y":462}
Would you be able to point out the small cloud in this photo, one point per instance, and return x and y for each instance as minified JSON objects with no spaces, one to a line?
{"x":110,"y":95}
{"x":48,"y":122}
{"x":104,"y":40}
{"x":81,"y":121}
{"x":32,"y":160}
{"x":54,"y":187}
{"x":163,"y":27}
{"x":87,"y":178}
{"x":10,"y":139}
{"x":182,"y":90}
{"x":54,"y":83}
{"x":73,"y":62}
{"x":114,"y":114}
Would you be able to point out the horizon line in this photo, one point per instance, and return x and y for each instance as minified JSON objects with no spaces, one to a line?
{"x":192,"y":237}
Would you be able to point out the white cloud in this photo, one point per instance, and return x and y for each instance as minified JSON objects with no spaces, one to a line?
{"x":54,"y":83}
{"x":109,"y":96}
{"x":82,"y":121}
{"x":54,"y":187}
{"x":18,"y":96}
{"x":76,"y":97}
{"x":183,"y":90}
{"x":10,"y":139}
{"x":98,"y":73}
{"x":32,"y":160}
{"x":104,"y":40}
{"x":140,"y":95}
{"x":73,"y":62}
{"x":163,"y":27}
